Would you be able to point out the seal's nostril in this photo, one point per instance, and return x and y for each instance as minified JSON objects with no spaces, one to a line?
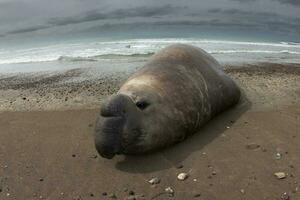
{"x":111,"y":110}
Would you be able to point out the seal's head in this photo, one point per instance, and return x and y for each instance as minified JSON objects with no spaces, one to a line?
{"x":118,"y":116}
{"x":136,"y":120}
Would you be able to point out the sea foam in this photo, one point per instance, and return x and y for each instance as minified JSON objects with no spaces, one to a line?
{"x":143,"y":48}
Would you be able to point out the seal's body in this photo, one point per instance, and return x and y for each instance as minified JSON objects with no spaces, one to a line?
{"x":171,"y":97}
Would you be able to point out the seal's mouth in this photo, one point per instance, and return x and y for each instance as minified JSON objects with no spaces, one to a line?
{"x":105,"y":152}
{"x":108,"y":136}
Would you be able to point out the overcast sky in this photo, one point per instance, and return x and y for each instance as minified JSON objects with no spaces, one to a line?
{"x":19,"y":17}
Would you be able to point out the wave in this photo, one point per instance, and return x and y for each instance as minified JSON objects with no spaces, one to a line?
{"x":203,"y":41}
{"x":104,"y":56}
{"x":145,"y":55}
{"x":75,"y":59}
{"x":254,"y":51}
{"x":290,"y":43}
{"x":135,"y":56}
{"x":138,"y":49}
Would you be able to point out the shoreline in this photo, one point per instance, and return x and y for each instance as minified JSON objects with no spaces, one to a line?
{"x":86,"y":87}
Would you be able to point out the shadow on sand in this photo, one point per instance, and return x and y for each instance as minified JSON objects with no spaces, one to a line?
{"x":176,"y":154}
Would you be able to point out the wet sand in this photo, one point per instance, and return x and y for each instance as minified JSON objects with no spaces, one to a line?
{"x":47,"y":152}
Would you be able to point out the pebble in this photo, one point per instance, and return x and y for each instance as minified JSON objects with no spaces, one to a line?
{"x":182,"y":176}
{"x":77,"y":198}
{"x":252,"y":146}
{"x":263,"y":149}
{"x":242,"y":191}
{"x":197,"y":195}
{"x":280,"y":175}
{"x":170,"y":191}
{"x":132,"y":198}
{"x":278,"y":156}
{"x":41,"y":179}
{"x":154,"y":181}
{"x":94,"y":156}
{"x":131,"y":192}
{"x":112,"y":196}
{"x":214,"y":173}
{"x":285,"y":196}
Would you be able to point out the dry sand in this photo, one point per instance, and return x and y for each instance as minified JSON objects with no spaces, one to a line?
{"x":47,"y":152}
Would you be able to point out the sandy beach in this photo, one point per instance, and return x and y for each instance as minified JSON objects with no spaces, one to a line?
{"x":47,"y":150}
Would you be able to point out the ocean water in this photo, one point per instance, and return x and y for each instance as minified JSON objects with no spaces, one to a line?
{"x":134,"y":52}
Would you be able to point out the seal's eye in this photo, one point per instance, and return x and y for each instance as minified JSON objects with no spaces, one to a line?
{"x":142,"y":104}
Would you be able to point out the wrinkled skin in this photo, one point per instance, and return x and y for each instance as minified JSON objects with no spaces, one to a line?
{"x":170,"y":98}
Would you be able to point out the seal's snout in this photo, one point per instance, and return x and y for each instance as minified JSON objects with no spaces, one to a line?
{"x":110,"y":125}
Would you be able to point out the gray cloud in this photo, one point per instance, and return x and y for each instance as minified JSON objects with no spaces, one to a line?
{"x":95,"y":15}
{"x":292,"y":2}
{"x":27,"y":30}
{"x":245,"y":1}
{"x":55,"y":16}
{"x":233,"y":12}
{"x":260,"y":20}
{"x":142,"y":11}
{"x":231,"y":19}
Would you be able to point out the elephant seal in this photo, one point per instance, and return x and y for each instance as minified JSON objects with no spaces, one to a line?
{"x":170,"y":98}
